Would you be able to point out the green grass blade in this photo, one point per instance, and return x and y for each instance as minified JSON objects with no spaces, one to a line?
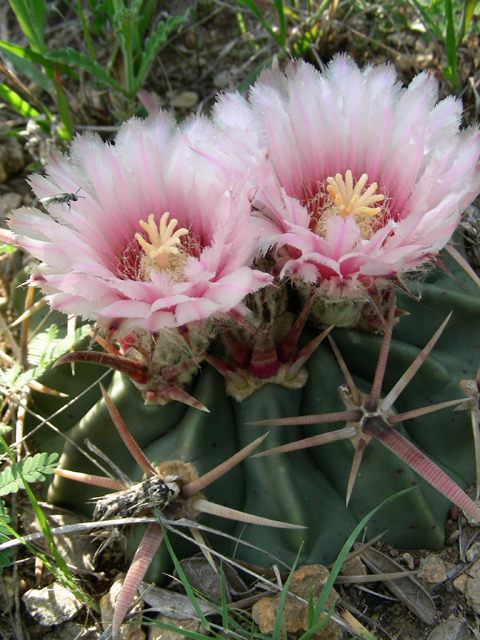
{"x":15,"y":101}
{"x":432,"y":26}
{"x":181,"y":575}
{"x":277,"y":627}
{"x":65,"y":130}
{"x":37,"y":10}
{"x":27,"y":68}
{"x":467,"y":14}
{"x":450,"y":71}
{"x":25,"y":17}
{"x":30,"y":70}
{"x":341,"y":558}
{"x":320,"y":623}
{"x":251,"y":6}
{"x":37,"y":58}
{"x":311,"y":608}
{"x":225,"y":618}
{"x":281,"y":23}
{"x":4,"y":536}
{"x":86,"y":32}
{"x":247,"y":82}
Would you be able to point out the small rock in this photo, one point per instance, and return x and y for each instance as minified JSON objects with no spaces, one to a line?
{"x":51,"y":605}
{"x":472,"y":594}
{"x":432,"y":572}
{"x":71,"y":631}
{"x":157,"y":633}
{"x":107,"y":605}
{"x":201,"y":576}
{"x":312,"y":578}
{"x":450,"y":568}
{"x":306,"y":579}
{"x":409,"y":561}
{"x":8,"y":202}
{"x":473,"y":552}
{"x":264,"y":612}
{"x":474,"y":571}
{"x":354,"y":567}
{"x":460,"y":583}
{"x":186,"y":100}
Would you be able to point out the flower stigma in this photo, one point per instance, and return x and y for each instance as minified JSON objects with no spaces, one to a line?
{"x":345,"y":199}
{"x":162,"y":252}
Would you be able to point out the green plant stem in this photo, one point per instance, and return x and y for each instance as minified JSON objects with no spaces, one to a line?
{"x":86,"y":32}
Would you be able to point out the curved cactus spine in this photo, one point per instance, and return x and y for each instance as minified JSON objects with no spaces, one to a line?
{"x":204,"y":506}
{"x":88,"y":478}
{"x":131,"y":368}
{"x":389,"y":400}
{"x":142,"y":559}
{"x":406,"y":451}
{"x":371,"y":403}
{"x":124,"y":433}
{"x":200,"y":483}
{"x":346,"y":433}
{"x":463,"y":263}
{"x":175,"y":393}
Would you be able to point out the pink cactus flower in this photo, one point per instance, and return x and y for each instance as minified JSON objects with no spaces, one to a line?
{"x":157,"y":235}
{"x":368,"y":179}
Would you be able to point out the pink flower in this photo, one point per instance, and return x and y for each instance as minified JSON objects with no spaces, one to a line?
{"x":159,"y":236}
{"x":367,"y":179}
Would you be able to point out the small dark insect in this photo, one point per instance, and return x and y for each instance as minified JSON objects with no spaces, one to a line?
{"x":130,"y":502}
{"x":61,"y":198}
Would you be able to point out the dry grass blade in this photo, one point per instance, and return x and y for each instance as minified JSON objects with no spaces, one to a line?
{"x":413,"y":595}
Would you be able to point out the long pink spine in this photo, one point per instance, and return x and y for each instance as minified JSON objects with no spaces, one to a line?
{"x":419,"y":462}
{"x":136,"y":572}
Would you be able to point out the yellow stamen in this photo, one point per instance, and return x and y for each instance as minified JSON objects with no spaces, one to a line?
{"x":350,"y":200}
{"x":162,"y":240}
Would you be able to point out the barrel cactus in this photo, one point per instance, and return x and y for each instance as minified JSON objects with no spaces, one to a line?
{"x":303,"y":487}
{"x":216,"y":255}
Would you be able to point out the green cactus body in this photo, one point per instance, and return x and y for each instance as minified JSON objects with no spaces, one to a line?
{"x":308,"y":487}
